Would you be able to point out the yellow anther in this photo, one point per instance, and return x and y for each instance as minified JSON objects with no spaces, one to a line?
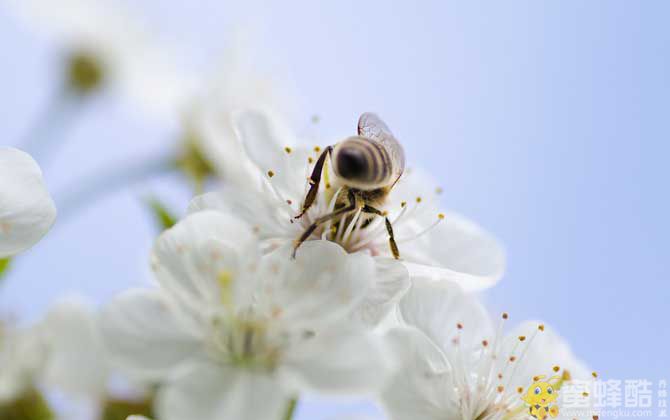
{"x":271,"y":174}
{"x":500,"y":389}
{"x":403,"y":204}
{"x":317,"y":149}
{"x":519,"y":390}
{"x":556,"y":368}
{"x":522,"y":338}
{"x":310,"y":160}
{"x":594,"y":374}
{"x":287,"y":149}
{"x":438,"y":190}
{"x":540,"y":327}
{"x":440,"y":216}
{"x":418,"y":199}
{"x":505,"y":315}
{"x":327,"y":185}
{"x":585,"y":394}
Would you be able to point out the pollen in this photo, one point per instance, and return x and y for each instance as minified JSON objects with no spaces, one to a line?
{"x":310,"y":160}
{"x":440,"y":216}
{"x":317,"y":149}
{"x":540,"y":327}
{"x":522,"y":338}
{"x":519,"y":390}
{"x":594,"y":374}
{"x":385,"y":213}
{"x":271,"y":174}
{"x":288,"y":150}
{"x":418,"y":199}
{"x":556,"y":368}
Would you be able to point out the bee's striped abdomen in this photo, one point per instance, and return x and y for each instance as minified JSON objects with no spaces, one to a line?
{"x":363,"y":162}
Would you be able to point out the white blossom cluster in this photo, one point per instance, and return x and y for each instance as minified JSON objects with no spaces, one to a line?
{"x":234,"y":326}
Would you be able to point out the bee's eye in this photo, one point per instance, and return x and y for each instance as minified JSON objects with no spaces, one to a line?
{"x":538,"y":390}
{"x":550,"y":390}
{"x":352,"y":163}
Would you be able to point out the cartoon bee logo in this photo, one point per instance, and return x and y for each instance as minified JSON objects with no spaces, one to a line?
{"x":541,"y":396}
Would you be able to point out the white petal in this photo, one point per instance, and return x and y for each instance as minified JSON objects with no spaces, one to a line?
{"x":541,"y":351}
{"x":438,"y":310}
{"x":417,"y":390}
{"x":456,"y":250}
{"x":144,"y":336}
{"x":76,"y":362}
{"x":190,"y":257}
{"x":323,"y":284}
{"x":391,"y":283}
{"x":22,"y":354}
{"x":342,"y":360}
{"x":264,"y":138}
{"x":26,"y":209}
{"x":207,"y":391}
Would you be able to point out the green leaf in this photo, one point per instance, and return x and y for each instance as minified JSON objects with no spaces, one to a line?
{"x":5,"y":264}
{"x":165,"y":219}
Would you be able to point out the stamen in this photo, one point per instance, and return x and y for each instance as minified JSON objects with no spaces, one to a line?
{"x":288,"y":150}
{"x":271,"y":173}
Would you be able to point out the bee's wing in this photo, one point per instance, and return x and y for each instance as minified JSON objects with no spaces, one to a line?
{"x":372,"y":127}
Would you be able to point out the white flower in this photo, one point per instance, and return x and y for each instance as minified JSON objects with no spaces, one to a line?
{"x":26,"y":209}
{"x":111,"y":47}
{"x":21,"y":357}
{"x":75,"y":361}
{"x":236,"y":336}
{"x":270,"y":194}
{"x":457,"y":365}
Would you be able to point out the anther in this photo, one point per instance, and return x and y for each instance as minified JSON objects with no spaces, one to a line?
{"x":594,"y":374}
{"x":585,"y":394}
{"x":500,"y":376}
{"x":317,"y":149}
{"x":271,"y":174}
{"x":556,"y":368}
{"x":505,"y":315}
{"x":485,"y":343}
{"x":327,"y":185}
{"x":438,"y":190}
{"x":403,"y":204}
{"x":459,"y":326}
{"x":385,"y":213}
{"x":540,"y":327}
{"x":440,"y":216}
{"x":287,"y":150}
{"x":500,"y":389}
{"x":536,"y":378}
{"x":522,"y":338}
{"x":418,"y":199}
{"x":289,"y":202}
{"x":519,"y":390}
{"x":512,"y":358}
{"x":310,"y":160}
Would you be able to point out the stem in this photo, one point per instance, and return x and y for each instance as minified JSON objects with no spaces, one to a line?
{"x":110,"y":180}
{"x":290,"y":409}
{"x":43,"y":135}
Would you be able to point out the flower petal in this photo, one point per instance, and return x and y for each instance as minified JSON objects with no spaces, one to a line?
{"x":343,"y":359}
{"x":144,"y":336}
{"x":456,"y":250}
{"x":205,"y":391}
{"x":76,"y":362}
{"x":190,"y":257}
{"x":418,"y":390}
{"x":443,"y":312}
{"x":323,"y":284}
{"x":26,"y":209}
{"x":392,"y":282}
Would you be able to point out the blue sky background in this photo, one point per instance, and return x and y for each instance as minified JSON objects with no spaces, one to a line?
{"x":545,"y":121}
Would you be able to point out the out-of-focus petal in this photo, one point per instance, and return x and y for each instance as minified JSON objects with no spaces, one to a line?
{"x":26,"y":209}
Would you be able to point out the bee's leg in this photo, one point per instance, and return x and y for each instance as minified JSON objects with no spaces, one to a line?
{"x":389,"y":229}
{"x":337,"y":213}
{"x":314,"y":181}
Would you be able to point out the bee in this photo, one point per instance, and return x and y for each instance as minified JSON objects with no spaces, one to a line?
{"x":367,"y":166}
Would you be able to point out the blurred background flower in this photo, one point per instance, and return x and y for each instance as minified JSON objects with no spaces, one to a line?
{"x":544,"y":122}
